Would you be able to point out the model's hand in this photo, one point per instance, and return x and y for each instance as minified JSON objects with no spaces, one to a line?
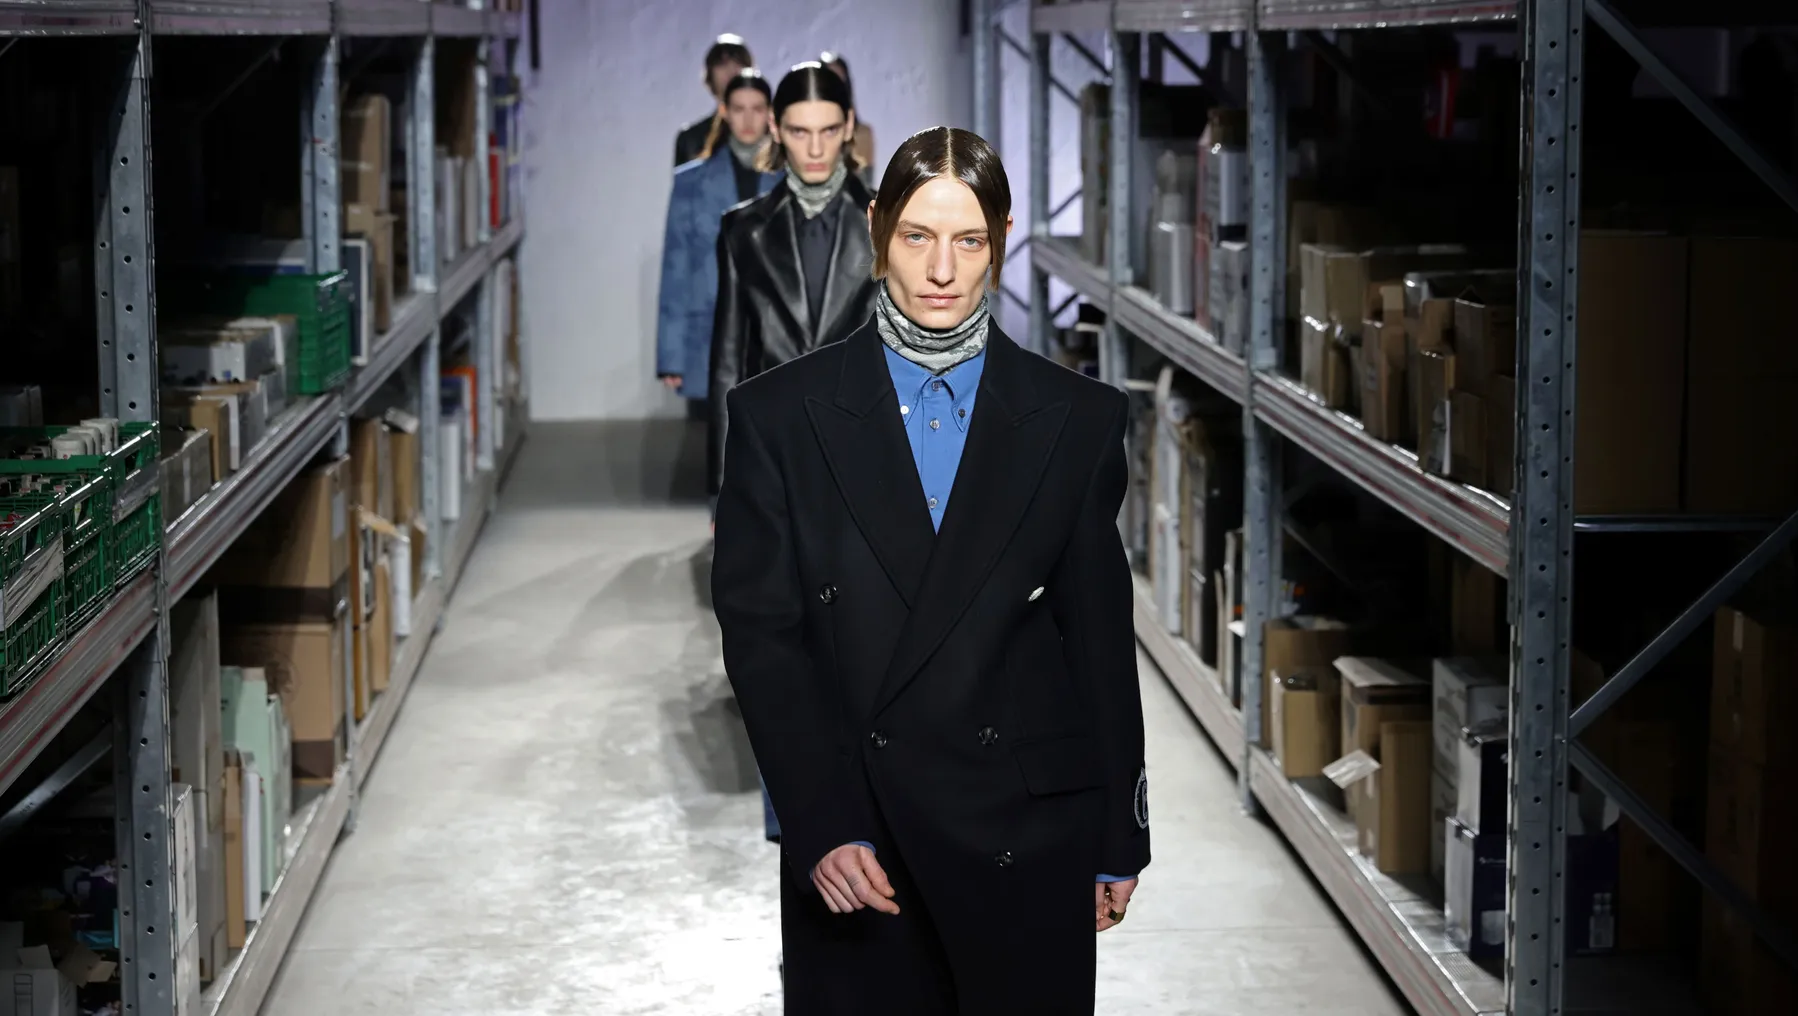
{"x":1110,"y":897}
{"x":671,"y":382}
{"x":850,"y":879}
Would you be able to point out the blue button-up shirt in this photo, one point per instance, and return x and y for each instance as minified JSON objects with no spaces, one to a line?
{"x":937,"y":410}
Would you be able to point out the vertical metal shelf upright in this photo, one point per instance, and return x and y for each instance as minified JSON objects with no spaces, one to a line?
{"x":1530,"y":540}
{"x":129,"y":640}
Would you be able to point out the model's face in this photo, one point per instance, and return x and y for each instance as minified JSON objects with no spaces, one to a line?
{"x":721,"y":75}
{"x":940,"y":253}
{"x":813,"y":134}
{"x":747,"y":115}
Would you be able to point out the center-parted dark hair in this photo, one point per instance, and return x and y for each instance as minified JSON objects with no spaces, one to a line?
{"x":749,"y":78}
{"x":725,"y":49}
{"x":834,"y":61}
{"x":943,"y":152}
{"x":811,"y":82}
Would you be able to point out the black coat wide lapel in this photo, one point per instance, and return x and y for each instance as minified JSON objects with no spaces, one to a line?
{"x":863,"y":438}
{"x":1009,"y":444}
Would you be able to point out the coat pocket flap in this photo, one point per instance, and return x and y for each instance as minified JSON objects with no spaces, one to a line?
{"x":1058,"y":765}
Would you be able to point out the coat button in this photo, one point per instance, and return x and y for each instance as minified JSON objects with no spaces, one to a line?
{"x":878,"y":739}
{"x":988,"y":735}
{"x":1003,"y":859}
{"x":828,"y":594}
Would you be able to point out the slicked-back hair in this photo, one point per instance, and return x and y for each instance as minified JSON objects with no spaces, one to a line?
{"x":725,"y":49}
{"x":811,"y":82}
{"x":946,"y":153}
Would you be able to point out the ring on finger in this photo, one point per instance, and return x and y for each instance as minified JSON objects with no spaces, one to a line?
{"x":1117,"y":916}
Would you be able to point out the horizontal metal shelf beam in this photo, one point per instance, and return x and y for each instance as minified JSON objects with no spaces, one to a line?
{"x":1184,"y":342}
{"x":460,"y":280}
{"x":1184,"y":15}
{"x":1297,"y":15}
{"x":1472,"y":521}
{"x":240,"y":17}
{"x":43,"y":709}
{"x":1056,"y":255}
{"x":413,"y":322}
{"x":371,"y":18}
{"x":91,"y":754}
{"x":228,"y":509}
{"x":1404,"y":931}
{"x":457,"y":21}
{"x":1079,"y":16}
{"x":67,"y":17}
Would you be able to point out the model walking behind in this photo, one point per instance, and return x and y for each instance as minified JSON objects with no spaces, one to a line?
{"x":926,"y":614}
{"x":727,"y":172}
{"x":728,"y":55}
{"x":794,"y":265}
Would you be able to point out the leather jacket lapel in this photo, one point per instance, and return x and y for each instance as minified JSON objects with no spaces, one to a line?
{"x":850,"y":260}
{"x":1010,"y":441}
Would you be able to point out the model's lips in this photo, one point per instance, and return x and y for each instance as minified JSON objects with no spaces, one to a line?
{"x":817,"y":167}
{"x":939,"y":299}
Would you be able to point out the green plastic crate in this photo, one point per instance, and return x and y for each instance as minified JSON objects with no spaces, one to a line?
{"x":31,"y":594}
{"x":135,"y":540}
{"x":320,"y":303}
{"x":132,"y":472}
{"x":87,"y":533}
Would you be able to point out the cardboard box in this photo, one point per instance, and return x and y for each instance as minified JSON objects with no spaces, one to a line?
{"x":1435,"y":381}
{"x":184,"y":872}
{"x":370,"y":479}
{"x":215,"y":414}
{"x":1485,"y":344}
{"x":1293,"y":643}
{"x":1501,"y":436}
{"x":1306,"y":719}
{"x":1466,"y":692}
{"x":1324,"y":363}
{"x":187,"y":977}
{"x":257,"y":726}
{"x":1392,"y":815}
{"x":381,"y":628}
{"x":308,"y":664}
{"x":1754,"y":670}
{"x":1749,"y":816}
{"x":1631,"y":380}
{"x":1467,"y":437}
{"x":1740,"y":975}
{"x":1477,"y":595}
{"x":198,"y":759}
{"x":379,"y":229}
{"x":300,"y":544}
{"x":1375,"y":691}
{"x":1483,"y":777}
{"x":1382,"y":380}
{"x":1474,"y":890}
{"x":1741,"y":380}
{"x":1649,"y":918}
{"x":247,"y":420}
{"x":36,"y":990}
{"x":236,"y":925}
{"x":213,"y":355}
{"x":367,"y":139}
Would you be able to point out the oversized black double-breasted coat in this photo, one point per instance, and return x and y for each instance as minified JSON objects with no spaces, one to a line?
{"x":965,"y":700}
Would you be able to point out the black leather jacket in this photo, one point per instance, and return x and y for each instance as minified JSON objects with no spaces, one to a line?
{"x":762,"y":319}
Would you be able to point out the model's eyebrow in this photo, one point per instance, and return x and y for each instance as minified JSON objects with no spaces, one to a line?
{"x":907,"y":226}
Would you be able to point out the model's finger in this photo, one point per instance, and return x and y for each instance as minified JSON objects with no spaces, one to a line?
{"x":840,"y":882}
{"x":877,"y":876}
{"x":1121,"y":892}
{"x":868,"y":895}
{"x":832,"y":899}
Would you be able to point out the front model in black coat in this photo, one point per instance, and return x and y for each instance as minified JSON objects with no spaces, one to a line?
{"x":964,"y":700}
{"x":763,"y":316}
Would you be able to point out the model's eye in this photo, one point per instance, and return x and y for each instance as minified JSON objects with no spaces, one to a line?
{"x":915,"y":238}
{"x":973,"y":242}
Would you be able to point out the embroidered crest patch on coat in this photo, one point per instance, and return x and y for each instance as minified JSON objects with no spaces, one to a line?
{"x":1142,"y":798}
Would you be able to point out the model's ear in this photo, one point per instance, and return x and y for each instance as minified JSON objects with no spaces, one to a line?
{"x":1008,"y":225}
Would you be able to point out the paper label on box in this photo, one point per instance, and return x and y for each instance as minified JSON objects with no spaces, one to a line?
{"x":1351,"y":769}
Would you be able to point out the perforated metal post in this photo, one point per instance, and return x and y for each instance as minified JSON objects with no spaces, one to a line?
{"x":1040,"y":217}
{"x":124,"y":273}
{"x":319,"y":187}
{"x":483,"y":111}
{"x":1542,"y":513}
{"x":986,"y":76}
{"x":1126,"y":57}
{"x":421,"y":169}
{"x":486,"y":330}
{"x":1267,"y":313}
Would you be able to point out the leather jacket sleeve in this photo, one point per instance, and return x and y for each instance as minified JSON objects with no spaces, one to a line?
{"x":731,"y":337}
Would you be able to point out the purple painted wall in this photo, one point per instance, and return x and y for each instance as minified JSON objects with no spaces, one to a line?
{"x":617,"y":79}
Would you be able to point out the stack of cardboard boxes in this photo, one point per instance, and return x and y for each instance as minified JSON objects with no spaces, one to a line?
{"x":369,"y":222}
{"x":1195,"y":499}
{"x":1751,"y":808}
{"x":1221,"y":258}
{"x":228,"y":378}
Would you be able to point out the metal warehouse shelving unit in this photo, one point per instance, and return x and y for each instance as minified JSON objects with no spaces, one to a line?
{"x":129,"y":638}
{"x":1403,"y":931}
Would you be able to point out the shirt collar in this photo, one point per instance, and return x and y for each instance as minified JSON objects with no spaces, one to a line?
{"x":911,"y":381}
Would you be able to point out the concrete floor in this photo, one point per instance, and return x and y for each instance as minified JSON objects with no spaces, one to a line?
{"x":565,"y":819}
